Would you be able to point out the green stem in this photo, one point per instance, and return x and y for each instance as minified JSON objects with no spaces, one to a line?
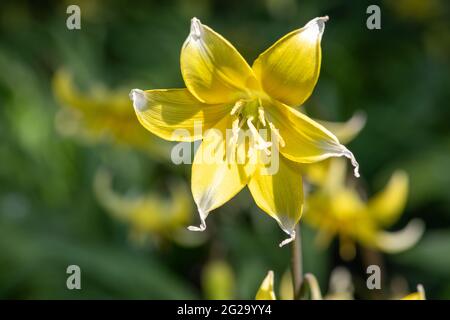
{"x":296,"y":263}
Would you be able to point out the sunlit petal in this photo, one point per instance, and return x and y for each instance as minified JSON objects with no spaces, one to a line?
{"x":212,"y":68}
{"x":215,"y":180}
{"x":306,"y":141}
{"x":280,"y":195}
{"x":175,"y":114}
{"x":289,"y":69}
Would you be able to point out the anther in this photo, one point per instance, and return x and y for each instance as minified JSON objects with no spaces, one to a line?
{"x":261,"y":143}
{"x":237,"y":107}
{"x":261,"y":116}
{"x":277,"y":133}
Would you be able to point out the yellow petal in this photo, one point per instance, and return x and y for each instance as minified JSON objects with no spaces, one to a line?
{"x":306,"y":141}
{"x":387,"y":205}
{"x":289,"y":69}
{"x":346,"y":131}
{"x":175,"y":114}
{"x":215,"y":180}
{"x":265,"y":291}
{"x":280,"y":195}
{"x":213,"y":70}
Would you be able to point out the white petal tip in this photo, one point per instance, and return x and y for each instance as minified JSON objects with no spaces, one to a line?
{"x":199,"y":228}
{"x":202,"y":226}
{"x":288,"y":240}
{"x":196,"y":29}
{"x":349,"y":155}
{"x":315,"y":28}
{"x":139,"y":99}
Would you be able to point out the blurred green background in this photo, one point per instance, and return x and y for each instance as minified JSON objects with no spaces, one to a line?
{"x":50,"y":217}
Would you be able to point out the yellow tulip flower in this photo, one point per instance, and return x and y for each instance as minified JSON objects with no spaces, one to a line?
{"x":101,"y":115}
{"x":225,"y":94}
{"x":337,"y":209}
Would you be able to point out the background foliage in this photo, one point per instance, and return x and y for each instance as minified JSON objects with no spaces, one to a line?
{"x":50,"y":217}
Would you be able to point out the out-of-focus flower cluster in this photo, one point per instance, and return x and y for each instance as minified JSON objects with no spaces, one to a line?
{"x":337,"y":206}
{"x":106,"y":116}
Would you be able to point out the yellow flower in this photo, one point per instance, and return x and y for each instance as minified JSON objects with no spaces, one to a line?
{"x":336,"y":209}
{"x":101,"y":115}
{"x":151,"y":214}
{"x":226,"y":94}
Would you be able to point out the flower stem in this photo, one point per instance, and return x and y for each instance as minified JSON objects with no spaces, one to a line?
{"x":296,"y":263}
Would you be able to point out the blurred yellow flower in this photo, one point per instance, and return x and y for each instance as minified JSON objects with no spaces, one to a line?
{"x":101,"y":115}
{"x":419,"y":295}
{"x":223,"y":92}
{"x":218,"y":281}
{"x":265,"y":291}
{"x":337,"y":209}
{"x":149,"y":215}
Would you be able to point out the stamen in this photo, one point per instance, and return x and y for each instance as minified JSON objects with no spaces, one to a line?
{"x":277,"y":133}
{"x":261,"y":116}
{"x":235,"y":130}
{"x":237,"y":107}
{"x":261,"y":143}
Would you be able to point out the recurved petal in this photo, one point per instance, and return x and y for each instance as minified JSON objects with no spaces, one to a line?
{"x":388,"y":204}
{"x":346,"y":131}
{"x":398,"y":241}
{"x":175,"y":114}
{"x":289,"y":69}
{"x":279,"y":194}
{"x":306,"y":141}
{"x":216,"y":178}
{"x":265,"y":291}
{"x":212,"y":68}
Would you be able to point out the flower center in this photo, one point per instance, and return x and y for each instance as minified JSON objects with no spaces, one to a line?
{"x":250,"y":115}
